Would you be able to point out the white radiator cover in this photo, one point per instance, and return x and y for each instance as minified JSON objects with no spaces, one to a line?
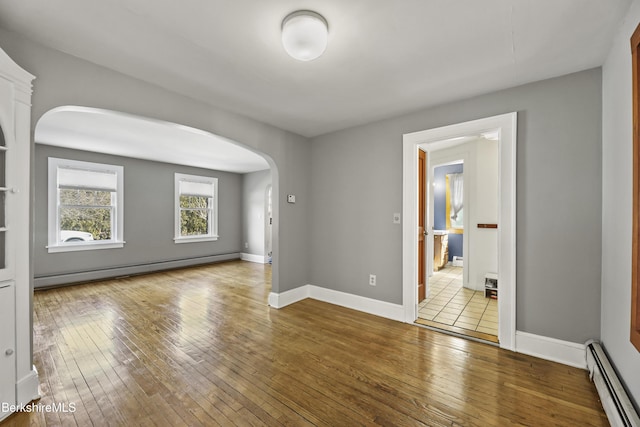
{"x":615,"y":401}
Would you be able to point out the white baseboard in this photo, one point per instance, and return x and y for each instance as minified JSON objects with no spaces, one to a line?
{"x":355,"y":302}
{"x":343,"y":299}
{"x":28,"y":388}
{"x":288,"y":297}
{"x":260,"y":259}
{"x":565,"y":352}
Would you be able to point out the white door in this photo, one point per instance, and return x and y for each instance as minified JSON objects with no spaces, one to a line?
{"x":7,"y":348}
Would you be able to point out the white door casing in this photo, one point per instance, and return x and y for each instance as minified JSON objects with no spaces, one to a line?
{"x":435,"y":138}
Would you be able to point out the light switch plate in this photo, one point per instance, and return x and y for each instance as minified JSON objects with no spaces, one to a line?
{"x":291,"y":198}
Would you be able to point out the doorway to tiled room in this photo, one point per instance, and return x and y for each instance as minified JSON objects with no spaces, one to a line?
{"x":454,"y":308}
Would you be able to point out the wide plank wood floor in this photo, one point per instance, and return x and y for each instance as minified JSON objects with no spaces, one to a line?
{"x":200,"y":346}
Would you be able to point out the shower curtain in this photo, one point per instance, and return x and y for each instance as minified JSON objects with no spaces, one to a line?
{"x":457,"y":193}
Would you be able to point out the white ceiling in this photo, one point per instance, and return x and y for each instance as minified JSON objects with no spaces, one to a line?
{"x":110,"y":132}
{"x":384,"y":57}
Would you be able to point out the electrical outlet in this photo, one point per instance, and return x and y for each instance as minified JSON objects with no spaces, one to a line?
{"x":372,"y":279}
{"x":246,"y":245}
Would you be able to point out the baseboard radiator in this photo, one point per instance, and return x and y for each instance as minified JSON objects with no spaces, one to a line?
{"x":615,"y":401}
{"x":45,"y":282}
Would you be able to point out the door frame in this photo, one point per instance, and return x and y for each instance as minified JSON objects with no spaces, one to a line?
{"x":435,"y":138}
{"x":469,"y":169}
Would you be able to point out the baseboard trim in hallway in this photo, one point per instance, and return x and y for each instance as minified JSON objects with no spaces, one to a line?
{"x":343,"y":299}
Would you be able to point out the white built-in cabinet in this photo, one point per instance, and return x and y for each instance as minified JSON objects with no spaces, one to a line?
{"x":7,"y":346}
{"x":18,"y":376}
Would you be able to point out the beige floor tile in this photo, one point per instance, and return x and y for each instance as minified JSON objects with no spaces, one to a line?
{"x":490,"y":317}
{"x":457,"y":305}
{"x":452,"y":304}
{"x":469,"y":326}
{"x":449,"y":315}
{"x":488,"y":324}
{"x":430,"y":313}
{"x":426,"y":316}
{"x":467,"y":319}
{"x":450,"y":311}
{"x":444,"y":320}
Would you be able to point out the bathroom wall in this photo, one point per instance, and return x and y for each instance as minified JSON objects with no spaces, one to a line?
{"x":480,"y":165}
{"x":440,"y":206}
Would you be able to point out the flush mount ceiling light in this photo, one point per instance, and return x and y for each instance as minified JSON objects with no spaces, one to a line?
{"x":304,"y":35}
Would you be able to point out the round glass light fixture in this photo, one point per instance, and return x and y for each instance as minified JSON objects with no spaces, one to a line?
{"x":304,"y":35}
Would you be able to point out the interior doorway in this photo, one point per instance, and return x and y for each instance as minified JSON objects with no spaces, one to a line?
{"x":503,"y":128}
{"x":462,"y":220}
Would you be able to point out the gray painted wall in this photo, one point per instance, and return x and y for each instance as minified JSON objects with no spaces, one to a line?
{"x":254,"y":200}
{"x":356,"y":182}
{"x":148,"y":216}
{"x":617,"y":174}
{"x":62,"y":79}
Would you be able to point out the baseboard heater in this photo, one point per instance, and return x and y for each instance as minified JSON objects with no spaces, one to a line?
{"x":615,"y":401}
{"x":52,"y":281}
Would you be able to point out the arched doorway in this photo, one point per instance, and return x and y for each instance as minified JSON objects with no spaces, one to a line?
{"x":100,"y":136}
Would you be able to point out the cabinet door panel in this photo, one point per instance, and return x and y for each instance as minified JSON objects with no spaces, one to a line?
{"x":7,"y":346}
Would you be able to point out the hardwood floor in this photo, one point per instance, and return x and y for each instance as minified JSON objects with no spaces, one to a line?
{"x":200,"y":346}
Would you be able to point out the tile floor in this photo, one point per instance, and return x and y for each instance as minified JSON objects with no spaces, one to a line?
{"x":451,"y":304}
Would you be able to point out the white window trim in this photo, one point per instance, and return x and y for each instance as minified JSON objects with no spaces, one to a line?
{"x":55,"y":246}
{"x":213,"y":232}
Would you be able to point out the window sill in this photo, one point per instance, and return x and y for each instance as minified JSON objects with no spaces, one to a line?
{"x":195,"y":239}
{"x":75,"y":247}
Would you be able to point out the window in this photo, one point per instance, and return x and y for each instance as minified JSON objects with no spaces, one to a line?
{"x":635,"y":260}
{"x":196,"y":208}
{"x":85,"y":206}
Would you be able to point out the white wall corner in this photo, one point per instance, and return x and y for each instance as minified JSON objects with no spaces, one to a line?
{"x":565,"y":352}
{"x":28,"y":387}
{"x":355,"y":302}
{"x":288,"y":297}
{"x":261,"y":259}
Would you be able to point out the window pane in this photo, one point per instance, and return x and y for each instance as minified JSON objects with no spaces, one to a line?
{"x":194,"y":222}
{"x":194,"y":202}
{"x":76,"y":196}
{"x":96,"y":221}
